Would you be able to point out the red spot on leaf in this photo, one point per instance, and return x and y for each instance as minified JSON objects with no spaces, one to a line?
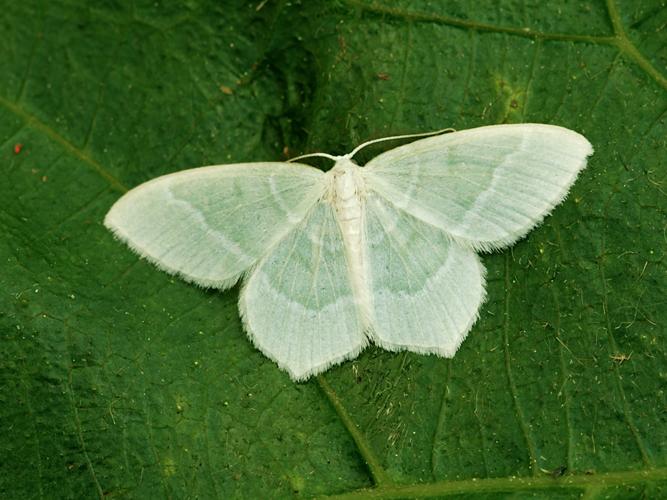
{"x":17,"y":148}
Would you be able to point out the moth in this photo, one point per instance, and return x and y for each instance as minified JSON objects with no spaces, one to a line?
{"x":384,"y":253}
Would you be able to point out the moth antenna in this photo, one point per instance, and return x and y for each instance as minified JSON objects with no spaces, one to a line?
{"x":310,"y":155}
{"x":395,"y":137}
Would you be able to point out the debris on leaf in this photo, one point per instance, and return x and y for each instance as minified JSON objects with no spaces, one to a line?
{"x":620,"y":358}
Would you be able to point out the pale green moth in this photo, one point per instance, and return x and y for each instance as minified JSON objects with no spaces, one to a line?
{"x":334,"y":260}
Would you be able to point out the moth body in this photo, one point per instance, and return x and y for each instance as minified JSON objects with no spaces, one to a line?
{"x":332,"y":261}
{"x":347,"y":194}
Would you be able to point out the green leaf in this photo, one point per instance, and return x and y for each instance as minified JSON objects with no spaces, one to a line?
{"x":118,"y":380}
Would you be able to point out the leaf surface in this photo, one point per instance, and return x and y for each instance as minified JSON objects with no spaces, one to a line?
{"x":119,"y":380}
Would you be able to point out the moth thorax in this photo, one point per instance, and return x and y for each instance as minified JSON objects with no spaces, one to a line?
{"x":348,"y":185}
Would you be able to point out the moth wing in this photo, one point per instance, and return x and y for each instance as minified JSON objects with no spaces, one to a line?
{"x":210,"y":224}
{"x":298,"y":306}
{"x":487,"y":186}
{"x":425,"y":288}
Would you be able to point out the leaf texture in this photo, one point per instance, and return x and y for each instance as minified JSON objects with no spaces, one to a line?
{"x":119,"y":380}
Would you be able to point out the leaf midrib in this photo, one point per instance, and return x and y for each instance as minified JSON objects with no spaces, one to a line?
{"x":585,"y":482}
